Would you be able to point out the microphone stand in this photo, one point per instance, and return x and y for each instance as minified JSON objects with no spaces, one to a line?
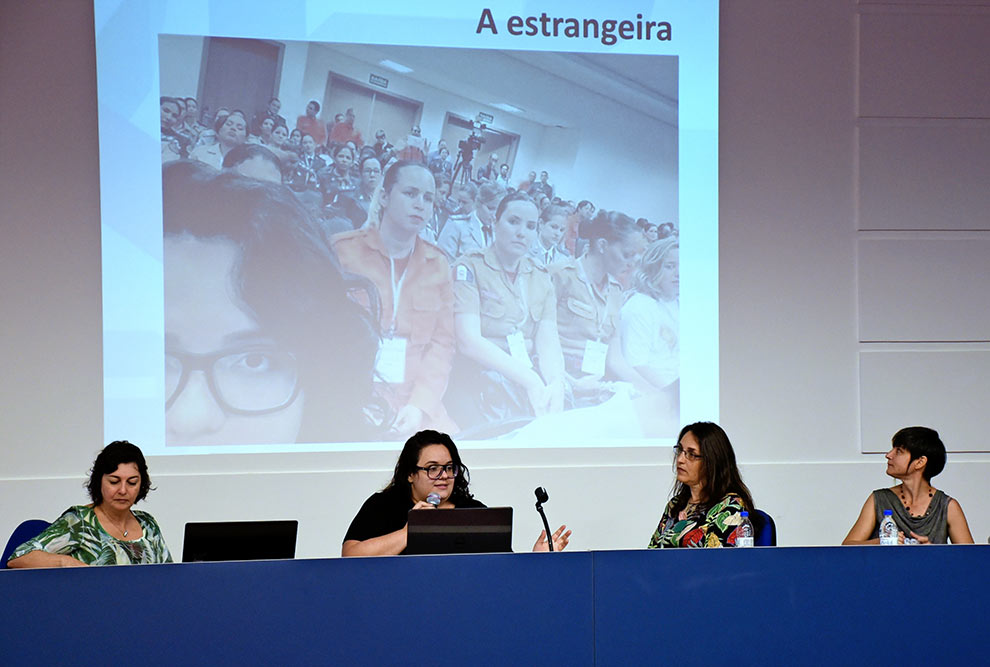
{"x":542,"y":497}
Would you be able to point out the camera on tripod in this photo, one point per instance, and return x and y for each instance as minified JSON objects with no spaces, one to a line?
{"x":469,"y":146}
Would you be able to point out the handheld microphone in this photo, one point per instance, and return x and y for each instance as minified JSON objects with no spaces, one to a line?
{"x":433,"y":499}
{"x":542,"y":497}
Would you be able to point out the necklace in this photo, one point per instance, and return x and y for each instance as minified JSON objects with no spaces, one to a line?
{"x":907,"y":506}
{"x":110,"y":521}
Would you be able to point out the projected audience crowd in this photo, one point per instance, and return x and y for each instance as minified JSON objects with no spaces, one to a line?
{"x":321,"y":288}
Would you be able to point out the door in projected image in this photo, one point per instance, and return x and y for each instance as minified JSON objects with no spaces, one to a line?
{"x":239,"y":74}
{"x":373,"y":109}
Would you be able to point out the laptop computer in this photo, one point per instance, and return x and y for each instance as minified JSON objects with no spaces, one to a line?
{"x":460,"y":531}
{"x":239,"y":540}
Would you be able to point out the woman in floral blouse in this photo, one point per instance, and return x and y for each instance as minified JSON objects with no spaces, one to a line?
{"x":108,"y":531}
{"x":704,"y":509}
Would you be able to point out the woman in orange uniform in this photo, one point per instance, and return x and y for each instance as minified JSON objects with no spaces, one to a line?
{"x":414,"y":284}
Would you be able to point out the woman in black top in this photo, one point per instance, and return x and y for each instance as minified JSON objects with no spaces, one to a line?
{"x":429,"y":464}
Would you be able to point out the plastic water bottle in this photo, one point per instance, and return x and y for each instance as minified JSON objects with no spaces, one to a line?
{"x":888,"y":529}
{"x":744,"y":533}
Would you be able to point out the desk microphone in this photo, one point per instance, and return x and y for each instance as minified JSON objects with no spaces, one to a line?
{"x":542,"y":497}
{"x":433,"y":499}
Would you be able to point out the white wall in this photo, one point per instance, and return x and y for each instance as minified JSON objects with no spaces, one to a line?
{"x":805,"y":175}
{"x":600,"y":156}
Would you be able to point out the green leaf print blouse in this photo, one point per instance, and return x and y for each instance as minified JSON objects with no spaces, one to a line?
{"x":78,"y":533}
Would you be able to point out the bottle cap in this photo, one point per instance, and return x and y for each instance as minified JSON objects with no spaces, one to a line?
{"x":744,"y":513}
{"x":888,"y":512}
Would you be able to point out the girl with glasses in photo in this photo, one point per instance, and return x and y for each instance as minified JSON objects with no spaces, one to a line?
{"x":262,"y":342}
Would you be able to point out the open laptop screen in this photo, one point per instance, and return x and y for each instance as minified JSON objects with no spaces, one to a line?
{"x":239,"y":540}
{"x":460,"y":531}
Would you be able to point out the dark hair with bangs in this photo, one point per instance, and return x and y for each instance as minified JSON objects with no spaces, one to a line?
{"x":920,"y":441}
{"x":409,"y":459}
{"x":106,"y":463}
{"x":720,"y":474}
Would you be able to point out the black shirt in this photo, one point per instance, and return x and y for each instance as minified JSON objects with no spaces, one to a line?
{"x":386,"y":512}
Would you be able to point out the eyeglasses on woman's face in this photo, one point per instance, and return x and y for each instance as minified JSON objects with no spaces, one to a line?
{"x":688,"y":454}
{"x":250,"y":381}
{"x":436,"y":471}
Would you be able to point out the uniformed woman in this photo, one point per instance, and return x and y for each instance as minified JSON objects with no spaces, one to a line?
{"x":413,"y":281}
{"x":505,"y":319}
{"x":589,"y":298}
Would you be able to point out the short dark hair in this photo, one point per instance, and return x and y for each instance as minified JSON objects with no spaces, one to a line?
{"x":244,"y":152}
{"x":585,"y":202}
{"x":409,"y":459}
{"x":316,"y":104}
{"x":223,"y":119}
{"x":609,"y":225}
{"x":107,"y":461}
{"x":721,"y":474}
{"x":922,"y":441}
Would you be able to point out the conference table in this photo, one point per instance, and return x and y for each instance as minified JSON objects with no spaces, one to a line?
{"x":778,"y":605}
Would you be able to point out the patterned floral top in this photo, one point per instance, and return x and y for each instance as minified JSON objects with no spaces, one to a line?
{"x":78,"y":533}
{"x":714,"y":528}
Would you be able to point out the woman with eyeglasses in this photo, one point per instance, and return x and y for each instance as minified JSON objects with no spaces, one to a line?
{"x":262,"y":342}
{"x":428,"y":464}
{"x":709,"y":494}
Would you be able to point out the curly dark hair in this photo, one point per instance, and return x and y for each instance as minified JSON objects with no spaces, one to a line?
{"x":107,"y":461}
{"x":409,"y":458}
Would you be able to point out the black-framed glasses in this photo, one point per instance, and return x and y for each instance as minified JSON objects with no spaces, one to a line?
{"x":253,"y":380}
{"x":691,"y":456}
{"x":435,"y":471}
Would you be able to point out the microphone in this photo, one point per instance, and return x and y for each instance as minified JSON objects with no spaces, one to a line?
{"x":433,"y":499}
{"x":542,"y":497}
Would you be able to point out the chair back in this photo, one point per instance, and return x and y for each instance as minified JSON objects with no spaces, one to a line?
{"x":766,"y":529}
{"x":24,"y":532}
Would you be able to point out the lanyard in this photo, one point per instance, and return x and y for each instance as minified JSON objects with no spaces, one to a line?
{"x":599,"y":318}
{"x":396,"y":289}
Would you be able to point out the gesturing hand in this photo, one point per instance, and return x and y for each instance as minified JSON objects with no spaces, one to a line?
{"x":559,"y":537}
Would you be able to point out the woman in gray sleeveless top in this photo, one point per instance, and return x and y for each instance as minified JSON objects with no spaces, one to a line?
{"x":922,"y":513}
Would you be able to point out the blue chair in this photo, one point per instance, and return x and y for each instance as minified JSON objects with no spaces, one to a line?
{"x":24,"y":532}
{"x":766,"y":529}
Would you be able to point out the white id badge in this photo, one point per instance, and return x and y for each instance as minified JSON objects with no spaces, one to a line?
{"x":391,"y":362}
{"x":517,"y":348}
{"x":593,"y":362}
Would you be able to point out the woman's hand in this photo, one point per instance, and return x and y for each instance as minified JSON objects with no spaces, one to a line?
{"x":559,"y":537}
{"x":556,"y":403}
{"x":423,"y":505}
{"x":920,"y":538}
{"x":408,"y":420}
{"x":588,"y":383}
{"x":539,"y":396}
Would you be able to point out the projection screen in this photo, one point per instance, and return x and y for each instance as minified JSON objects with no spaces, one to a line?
{"x":268,"y":306}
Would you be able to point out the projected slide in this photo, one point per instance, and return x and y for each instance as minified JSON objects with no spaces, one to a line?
{"x":325,"y":230}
